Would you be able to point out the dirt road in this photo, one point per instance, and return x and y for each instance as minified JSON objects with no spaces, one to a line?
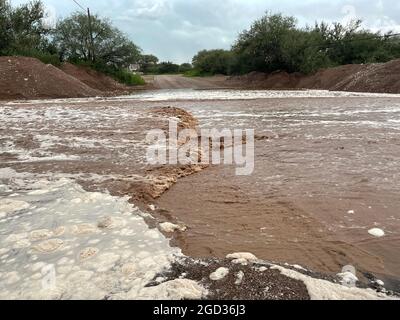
{"x":181,"y":82}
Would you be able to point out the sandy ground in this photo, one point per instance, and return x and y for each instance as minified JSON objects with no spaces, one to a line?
{"x":181,"y":82}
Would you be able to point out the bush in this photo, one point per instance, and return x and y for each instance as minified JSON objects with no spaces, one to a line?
{"x":45,"y":57}
{"x":196,"y":73}
{"x":276,"y":43}
{"x":128,"y":78}
{"x":121,"y":75}
{"x":167,"y":68}
{"x":214,"y":62}
{"x":185,"y":67}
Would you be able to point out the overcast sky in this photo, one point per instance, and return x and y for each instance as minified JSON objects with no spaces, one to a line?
{"x":176,"y":29}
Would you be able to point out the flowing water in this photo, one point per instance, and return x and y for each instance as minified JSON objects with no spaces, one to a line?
{"x":326,"y":173}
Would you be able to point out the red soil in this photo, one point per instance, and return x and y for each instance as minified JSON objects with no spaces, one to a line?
{"x":379,"y":77}
{"x":28,"y":78}
{"x":92,"y":78}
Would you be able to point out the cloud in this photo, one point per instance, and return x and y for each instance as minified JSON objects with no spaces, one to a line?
{"x":176,"y":29}
{"x":151,"y":9}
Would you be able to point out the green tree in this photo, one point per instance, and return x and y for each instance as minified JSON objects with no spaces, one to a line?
{"x":22,"y":28}
{"x":349,"y":44}
{"x":261,"y":48}
{"x":110,"y":45}
{"x":167,"y":68}
{"x":185,"y":67}
{"x":148,"y":63}
{"x":5,"y":26}
{"x":213,"y":62}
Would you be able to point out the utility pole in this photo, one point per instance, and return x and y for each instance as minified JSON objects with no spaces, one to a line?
{"x":92,"y":55}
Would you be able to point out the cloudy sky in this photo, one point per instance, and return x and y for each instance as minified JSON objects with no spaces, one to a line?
{"x":176,"y":29}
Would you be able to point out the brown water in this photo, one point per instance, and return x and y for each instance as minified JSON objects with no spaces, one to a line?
{"x":318,"y":157}
{"x":324,"y":159}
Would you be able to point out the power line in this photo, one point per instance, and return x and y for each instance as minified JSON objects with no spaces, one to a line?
{"x":344,"y":41}
{"x":79,"y":5}
{"x":372,"y":38}
{"x":92,"y":55}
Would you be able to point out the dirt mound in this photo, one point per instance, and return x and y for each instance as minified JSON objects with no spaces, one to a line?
{"x":260,"y":80}
{"x":28,"y":78}
{"x":92,"y":78}
{"x":379,"y":78}
{"x":329,"y":79}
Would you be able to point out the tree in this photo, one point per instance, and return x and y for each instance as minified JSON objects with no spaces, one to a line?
{"x":213,"y":61}
{"x":167,"y":68}
{"x":185,"y":67}
{"x":4,"y":25}
{"x":110,"y":46}
{"x":148,"y":63}
{"x":22,"y":28}
{"x":262,"y":47}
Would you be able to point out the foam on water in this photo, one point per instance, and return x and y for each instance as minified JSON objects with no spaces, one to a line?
{"x":58,"y":241}
{"x":218,"y":94}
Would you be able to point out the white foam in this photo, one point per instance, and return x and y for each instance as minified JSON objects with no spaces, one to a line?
{"x":239,"y":278}
{"x":242,"y":256}
{"x":117,"y":265}
{"x":9,"y":206}
{"x":176,"y":95}
{"x":376,"y":232}
{"x":325,"y":290}
{"x":219,"y":274}
{"x":171,"y":228}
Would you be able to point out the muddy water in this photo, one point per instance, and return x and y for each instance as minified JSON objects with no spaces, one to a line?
{"x":326,"y":170}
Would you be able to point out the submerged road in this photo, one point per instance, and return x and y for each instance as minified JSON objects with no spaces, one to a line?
{"x":181,"y":82}
{"x":326,"y":173}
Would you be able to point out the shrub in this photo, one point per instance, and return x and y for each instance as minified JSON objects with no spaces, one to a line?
{"x":45,"y":57}
{"x":121,"y":75}
{"x":129,"y":78}
{"x":196,"y":73}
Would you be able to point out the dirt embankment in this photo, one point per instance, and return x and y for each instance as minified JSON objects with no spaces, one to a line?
{"x":29,"y":78}
{"x":94,"y":79}
{"x":377,"y":78}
